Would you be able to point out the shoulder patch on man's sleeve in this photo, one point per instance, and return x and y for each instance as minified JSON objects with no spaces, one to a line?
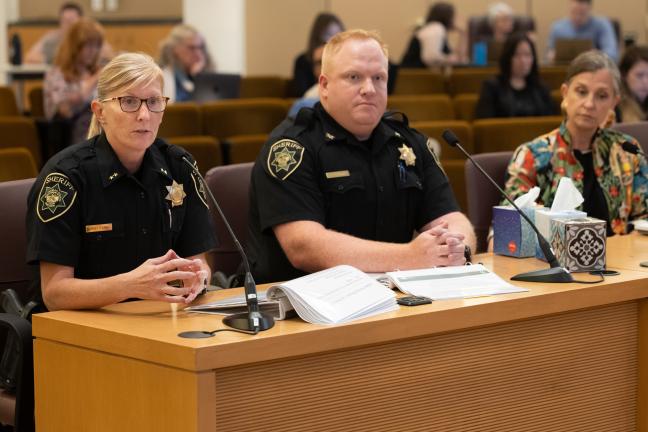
{"x":430,"y":146}
{"x":56,"y":197}
{"x":434,"y":148}
{"x":200,"y":186}
{"x":284,"y":158}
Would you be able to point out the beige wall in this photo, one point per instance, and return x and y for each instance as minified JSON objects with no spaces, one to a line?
{"x":278,"y":29}
{"x":130,"y":9}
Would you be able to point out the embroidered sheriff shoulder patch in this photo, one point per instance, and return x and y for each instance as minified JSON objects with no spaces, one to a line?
{"x":201,"y":188}
{"x":284,"y":158}
{"x":56,"y":197}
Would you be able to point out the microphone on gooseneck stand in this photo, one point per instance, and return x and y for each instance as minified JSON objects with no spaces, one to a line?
{"x":555,"y":274}
{"x":252,"y":321}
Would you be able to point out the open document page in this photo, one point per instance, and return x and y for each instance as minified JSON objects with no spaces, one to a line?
{"x":336,"y":295}
{"x":442,"y":283}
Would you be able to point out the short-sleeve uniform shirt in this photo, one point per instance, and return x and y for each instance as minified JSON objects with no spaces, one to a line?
{"x":87,"y":211}
{"x":382,"y":189}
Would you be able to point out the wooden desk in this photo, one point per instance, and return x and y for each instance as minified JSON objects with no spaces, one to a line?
{"x":558,"y":358}
{"x":628,"y":251}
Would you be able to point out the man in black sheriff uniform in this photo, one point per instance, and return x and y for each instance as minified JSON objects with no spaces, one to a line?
{"x":88,"y":212}
{"x":343,"y":185}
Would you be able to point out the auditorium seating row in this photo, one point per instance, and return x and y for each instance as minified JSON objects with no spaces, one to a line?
{"x":462,"y":80}
{"x":409,"y":82}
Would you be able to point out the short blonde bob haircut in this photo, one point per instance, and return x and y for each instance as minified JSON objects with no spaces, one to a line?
{"x":123,"y":73}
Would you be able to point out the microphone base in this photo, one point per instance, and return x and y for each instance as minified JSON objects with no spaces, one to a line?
{"x":550,"y":275}
{"x":244,"y":321}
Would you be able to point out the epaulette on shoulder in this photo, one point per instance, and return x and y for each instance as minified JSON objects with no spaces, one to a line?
{"x":305,"y":116}
{"x":396,"y":117}
{"x":304,"y":119}
{"x":73,"y":158}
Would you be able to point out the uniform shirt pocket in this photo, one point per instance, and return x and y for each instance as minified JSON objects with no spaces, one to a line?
{"x":343,"y":194}
{"x":406,"y":179}
{"x":103,"y":242}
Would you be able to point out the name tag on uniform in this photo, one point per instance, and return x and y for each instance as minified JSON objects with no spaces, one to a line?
{"x":337,"y":174}
{"x":98,"y":228}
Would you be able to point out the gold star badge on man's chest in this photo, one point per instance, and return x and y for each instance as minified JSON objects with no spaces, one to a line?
{"x":407,"y":154}
{"x":176,"y":194}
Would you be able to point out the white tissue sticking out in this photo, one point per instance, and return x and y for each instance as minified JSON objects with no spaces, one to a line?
{"x":529,"y":198}
{"x":567,"y":196}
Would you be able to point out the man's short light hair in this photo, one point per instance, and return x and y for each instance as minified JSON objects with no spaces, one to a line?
{"x":334,"y":45}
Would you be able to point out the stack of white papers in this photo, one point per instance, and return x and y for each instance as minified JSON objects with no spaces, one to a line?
{"x":442,"y":283}
{"x":336,"y":295}
{"x":278,"y":309}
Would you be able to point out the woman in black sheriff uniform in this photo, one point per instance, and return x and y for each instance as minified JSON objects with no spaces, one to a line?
{"x":120,"y":215}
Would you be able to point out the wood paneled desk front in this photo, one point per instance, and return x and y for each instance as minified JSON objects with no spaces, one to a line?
{"x":568,"y":357}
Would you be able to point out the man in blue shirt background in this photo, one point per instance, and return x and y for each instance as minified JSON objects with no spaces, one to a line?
{"x":582,"y":25}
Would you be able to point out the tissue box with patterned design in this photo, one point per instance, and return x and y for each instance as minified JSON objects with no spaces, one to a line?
{"x":579,"y":244}
{"x":543,"y":218}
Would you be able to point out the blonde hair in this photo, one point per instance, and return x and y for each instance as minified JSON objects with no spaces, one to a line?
{"x":83,"y":32}
{"x":334,"y":45}
{"x":123,"y":73}
{"x":177,"y":36}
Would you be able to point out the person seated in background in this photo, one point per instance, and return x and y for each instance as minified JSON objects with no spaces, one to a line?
{"x":44,"y":50}
{"x":634,"y":88}
{"x":342,"y":184}
{"x":430,"y":46}
{"x":325,"y":26}
{"x":517,"y":90}
{"x":582,"y":25}
{"x":183,"y":55}
{"x":612,"y":180}
{"x":501,"y":21}
{"x":110,"y":218}
{"x":70,"y":84}
{"x":311,"y":96}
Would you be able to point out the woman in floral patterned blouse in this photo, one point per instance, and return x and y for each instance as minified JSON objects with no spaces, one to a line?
{"x":614,"y":182}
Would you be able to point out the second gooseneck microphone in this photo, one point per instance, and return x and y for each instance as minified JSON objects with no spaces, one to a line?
{"x":555,"y":274}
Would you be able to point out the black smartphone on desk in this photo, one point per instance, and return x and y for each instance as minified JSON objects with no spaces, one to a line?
{"x":413,"y":300}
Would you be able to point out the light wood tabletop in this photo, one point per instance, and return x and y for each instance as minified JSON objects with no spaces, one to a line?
{"x":143,"y":337}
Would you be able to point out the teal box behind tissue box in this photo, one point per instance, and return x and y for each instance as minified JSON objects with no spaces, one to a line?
{"x":543,"y":218}
{"x":579,"y":244}
{"x":512,"y":235}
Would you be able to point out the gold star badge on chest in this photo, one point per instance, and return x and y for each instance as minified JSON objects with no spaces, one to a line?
{"x":176,"y":194}
{"x":407,"y":154}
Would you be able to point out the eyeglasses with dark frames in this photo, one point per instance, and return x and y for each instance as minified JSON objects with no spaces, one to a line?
{"x":129,"y":104}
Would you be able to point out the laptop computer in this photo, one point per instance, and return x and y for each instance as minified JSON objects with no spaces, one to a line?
{"x":209,"y":86}
{"x":568,"y":49}
{"x":494,"y":51}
